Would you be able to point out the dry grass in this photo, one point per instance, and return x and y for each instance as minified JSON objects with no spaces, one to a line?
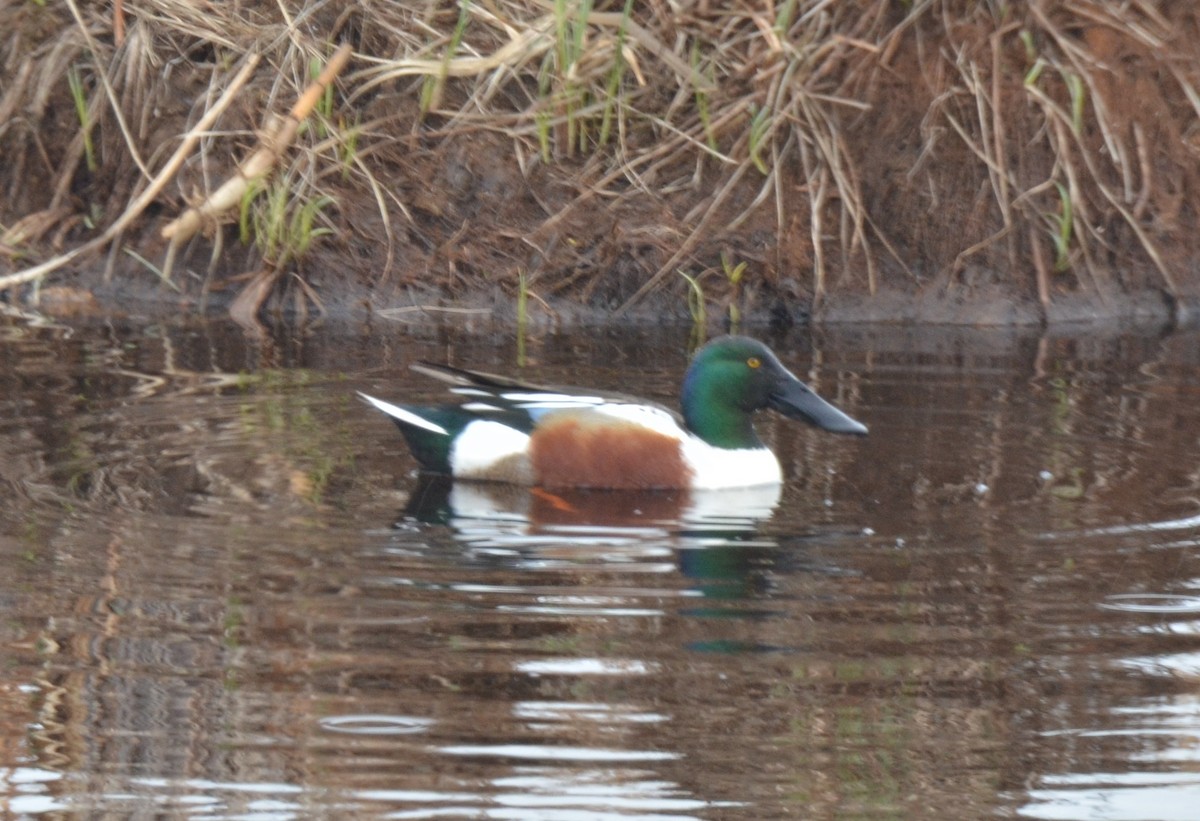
{"x":1088,"y":157}
{"x":1047,"y":146}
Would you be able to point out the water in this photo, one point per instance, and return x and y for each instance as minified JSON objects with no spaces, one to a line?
{"x":226,"y":595}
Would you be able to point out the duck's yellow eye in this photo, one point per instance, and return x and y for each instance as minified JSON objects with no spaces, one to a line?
{"x":754,"y":362}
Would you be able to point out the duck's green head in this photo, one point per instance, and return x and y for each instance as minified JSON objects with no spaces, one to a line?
{"x":732,"y":377}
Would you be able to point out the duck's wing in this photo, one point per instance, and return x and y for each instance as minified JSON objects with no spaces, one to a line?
{"x":491,"y":393}
{"x":464,"y":378}
{"x":489,"y":435}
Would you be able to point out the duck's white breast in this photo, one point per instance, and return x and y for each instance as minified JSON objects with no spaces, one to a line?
{"x":714,"y":468}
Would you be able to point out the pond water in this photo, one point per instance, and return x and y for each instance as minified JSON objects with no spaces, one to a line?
{"x":226,"y":593}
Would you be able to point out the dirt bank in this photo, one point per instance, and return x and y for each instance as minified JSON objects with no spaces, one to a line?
{"x":956,"y":162}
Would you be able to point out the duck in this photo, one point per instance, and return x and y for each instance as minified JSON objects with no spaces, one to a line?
{"x":561,"y":438}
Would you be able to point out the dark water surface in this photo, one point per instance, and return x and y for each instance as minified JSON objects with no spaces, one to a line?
{"x":226,"y":595}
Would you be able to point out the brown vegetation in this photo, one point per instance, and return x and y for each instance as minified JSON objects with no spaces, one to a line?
{"x":1041,"y":152}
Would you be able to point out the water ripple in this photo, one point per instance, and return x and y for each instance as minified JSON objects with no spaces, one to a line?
{"x":1152,"y":603}
{"x":376,"y":724}
{"x":549,"y":752}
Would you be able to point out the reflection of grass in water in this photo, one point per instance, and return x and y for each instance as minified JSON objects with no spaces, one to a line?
{"x":80,"y":464}
{"x":562,"y":645}
{"x":1062,"y":404}
{"x":231,"y":627}
{"x":868,"y":748}
{"x":313,"y":448}
{"x":34,"y":536}
{"x":1069,"y":480}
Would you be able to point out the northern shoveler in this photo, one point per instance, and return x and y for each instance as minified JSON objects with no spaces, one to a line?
{"x":511,"y":431}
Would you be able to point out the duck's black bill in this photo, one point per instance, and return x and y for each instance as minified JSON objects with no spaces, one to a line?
{"x":796,"y":400}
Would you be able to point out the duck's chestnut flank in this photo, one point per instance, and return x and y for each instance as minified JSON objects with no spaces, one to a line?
{"x":577,"y":450}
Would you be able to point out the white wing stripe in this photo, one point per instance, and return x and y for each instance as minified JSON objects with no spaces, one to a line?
{"x":560,"y":405}
{"x":556,"y":398}
{"x":405,"y":416}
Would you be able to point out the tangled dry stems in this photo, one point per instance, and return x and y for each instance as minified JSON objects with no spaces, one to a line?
{"x":875,"y":143}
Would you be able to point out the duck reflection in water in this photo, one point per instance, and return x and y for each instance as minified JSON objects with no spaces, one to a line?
{"x":712,"y":538}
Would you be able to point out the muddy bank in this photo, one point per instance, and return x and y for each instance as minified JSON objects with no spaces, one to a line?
{"x":138,"y":295}
{"x":869,"y":162}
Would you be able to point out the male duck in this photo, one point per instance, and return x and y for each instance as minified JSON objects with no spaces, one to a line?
{"x":510,"y":431}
